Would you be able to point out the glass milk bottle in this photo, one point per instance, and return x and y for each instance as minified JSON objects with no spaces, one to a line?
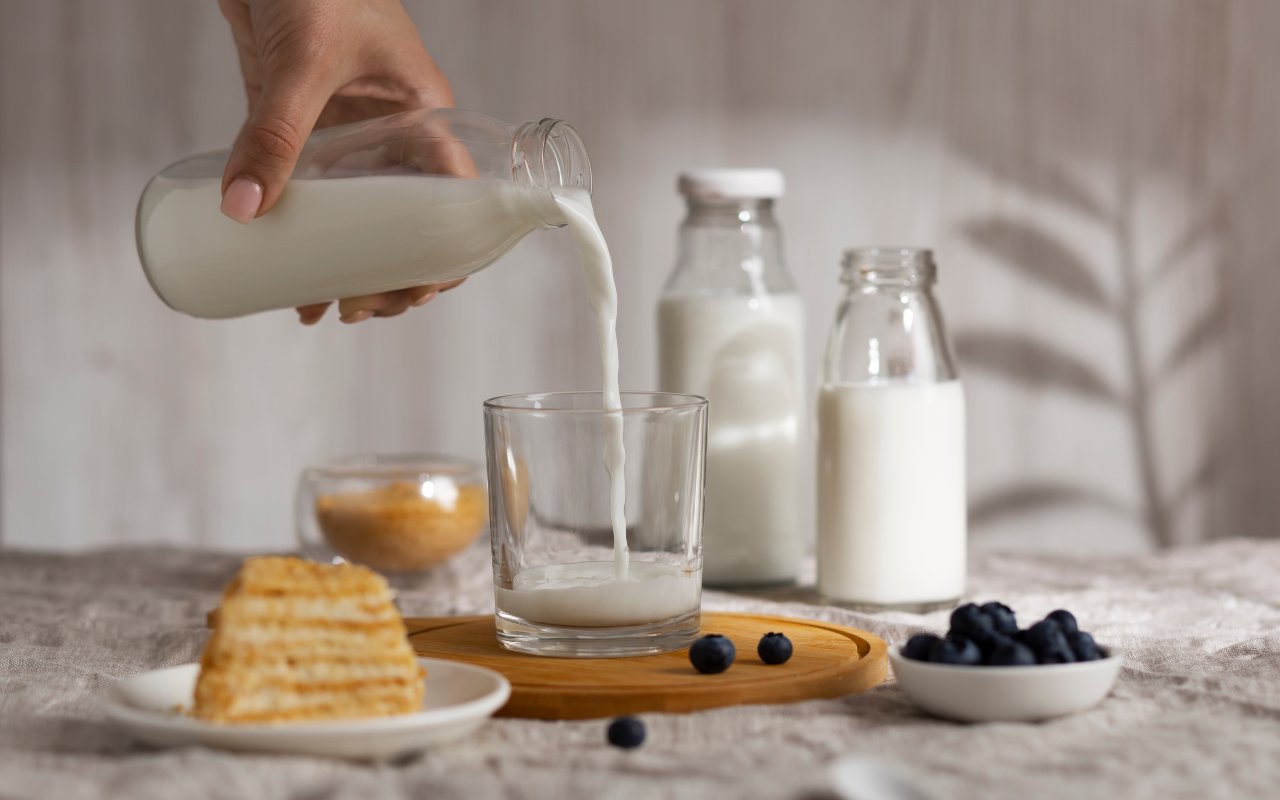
{"x":405,"y":200}
{"x":731,"y":328}
{"x":891,"y":441}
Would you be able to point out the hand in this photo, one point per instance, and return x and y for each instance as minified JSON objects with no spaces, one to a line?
{"x":314,"y":63}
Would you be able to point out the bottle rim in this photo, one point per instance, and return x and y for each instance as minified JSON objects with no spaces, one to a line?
{"x":889,"y":264}
{"x":550,"y":154}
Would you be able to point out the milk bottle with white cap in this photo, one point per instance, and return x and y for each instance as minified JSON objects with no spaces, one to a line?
{"x":891,"y":441}
{"x":731,"y":328}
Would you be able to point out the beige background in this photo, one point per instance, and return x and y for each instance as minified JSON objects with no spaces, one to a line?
{"x":1100,"y":180}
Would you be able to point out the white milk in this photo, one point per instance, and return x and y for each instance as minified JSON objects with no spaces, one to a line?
{"x":602,"y":293}
{"x":590,"y":594}
{"x":891,"y":493}
{"x":404,"y":229}
{"x":744,"y":353}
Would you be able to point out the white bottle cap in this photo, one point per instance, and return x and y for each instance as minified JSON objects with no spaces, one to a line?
{"x":732,"y":184}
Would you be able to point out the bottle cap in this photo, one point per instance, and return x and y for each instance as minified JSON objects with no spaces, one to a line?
{"x":732,"y":184}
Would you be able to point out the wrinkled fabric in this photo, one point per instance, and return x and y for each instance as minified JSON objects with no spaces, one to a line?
{"x":1196,"y":712}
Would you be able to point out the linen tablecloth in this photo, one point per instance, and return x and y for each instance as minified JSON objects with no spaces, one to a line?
{"x":1196,"y":713}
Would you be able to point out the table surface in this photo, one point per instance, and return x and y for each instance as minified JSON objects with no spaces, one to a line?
{"x":1196,"y":712}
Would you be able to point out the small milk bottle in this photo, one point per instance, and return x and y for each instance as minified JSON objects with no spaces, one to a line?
{"x":891,"y":441}
{"x":731,"y":328}
{"x":410,"y":199}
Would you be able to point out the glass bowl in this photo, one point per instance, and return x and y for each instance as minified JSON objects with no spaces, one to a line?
{"x":397,"y":514}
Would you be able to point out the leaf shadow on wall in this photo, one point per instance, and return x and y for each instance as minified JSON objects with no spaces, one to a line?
{"x":1042,"y":257}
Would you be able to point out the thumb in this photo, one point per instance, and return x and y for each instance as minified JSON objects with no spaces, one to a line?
{"x":268,"y":146}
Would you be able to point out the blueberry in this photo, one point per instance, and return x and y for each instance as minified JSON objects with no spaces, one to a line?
{"x":920,"y":646}
{"x":626,"y":732}
{"x":774,"y":648}
{"x":1042,"y":634}
{"x":1058,"y":655}
{"x":1012,"y":654}
{"x":990,"y":643}
{"x":1048,"y":642}
{"x":1001,"y":616}
{"x":970,"y":622}
{"x":1084,"y":647}
{"x":988,"y":640}
{"x":711,"y":654}
{"x":1065,"y":619}
{"x":955,"y":650}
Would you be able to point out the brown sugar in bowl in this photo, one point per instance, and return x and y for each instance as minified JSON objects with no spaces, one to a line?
{"x":395,"y":528}
{"x":396,"y":514}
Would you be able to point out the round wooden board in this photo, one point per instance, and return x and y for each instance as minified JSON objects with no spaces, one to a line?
{"x":829,"y":661}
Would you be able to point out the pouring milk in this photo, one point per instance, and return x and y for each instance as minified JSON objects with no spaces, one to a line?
{"x":595,"y":594}
{"x":364,"y":215}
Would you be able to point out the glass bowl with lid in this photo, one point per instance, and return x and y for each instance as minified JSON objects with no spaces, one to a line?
{"x":398,"y":514}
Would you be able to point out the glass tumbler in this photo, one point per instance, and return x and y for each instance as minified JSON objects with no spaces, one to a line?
{"x":561,"y":586}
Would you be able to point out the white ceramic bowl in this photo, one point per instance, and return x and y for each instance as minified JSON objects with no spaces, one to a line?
{"x":1005,"y":694}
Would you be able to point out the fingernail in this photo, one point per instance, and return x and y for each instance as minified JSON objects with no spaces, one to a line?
{"x":422,"y":301}
{"x":357,"y":316}
{"x":242,"y":199}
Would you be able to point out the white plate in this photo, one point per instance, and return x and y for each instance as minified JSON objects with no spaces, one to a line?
{"x":1005,"y":694}
{"x":459,"y":698}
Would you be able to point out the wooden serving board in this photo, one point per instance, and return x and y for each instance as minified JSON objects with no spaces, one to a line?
{"x":829,"y":661}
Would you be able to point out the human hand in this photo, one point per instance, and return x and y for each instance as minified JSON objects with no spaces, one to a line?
{"x":315,"y":63}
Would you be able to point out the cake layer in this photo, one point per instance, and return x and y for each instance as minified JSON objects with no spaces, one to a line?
{"x":341,"y":704}
{"x":323,"y":671}
{"x":343,"y":609}
{"x":313,"y":633}
{"x":250,"y":653}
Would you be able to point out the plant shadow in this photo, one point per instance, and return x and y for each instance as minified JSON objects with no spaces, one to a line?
{"x":1043,"y":258}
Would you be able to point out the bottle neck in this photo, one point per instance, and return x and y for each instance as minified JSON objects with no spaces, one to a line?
{"x":889,"y":328}
{"x":549,"y":157}
{"x":730,"y":213}
{"x":730,"y":246}
{"x":895,"y":269}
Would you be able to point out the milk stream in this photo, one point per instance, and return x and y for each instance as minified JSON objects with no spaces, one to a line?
{"x":602,"y":293}
{"x":891,"y":510}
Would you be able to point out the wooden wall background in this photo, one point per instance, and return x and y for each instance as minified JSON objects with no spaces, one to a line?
{"x":1100,"y":179}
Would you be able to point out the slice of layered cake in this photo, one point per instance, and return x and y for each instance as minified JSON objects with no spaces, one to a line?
{"x":295,"y":640}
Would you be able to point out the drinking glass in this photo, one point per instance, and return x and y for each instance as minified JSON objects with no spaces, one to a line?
{"x":561,"y":586}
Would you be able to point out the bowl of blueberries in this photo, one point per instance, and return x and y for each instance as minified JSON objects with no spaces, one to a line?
{"x":987,"y":669}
